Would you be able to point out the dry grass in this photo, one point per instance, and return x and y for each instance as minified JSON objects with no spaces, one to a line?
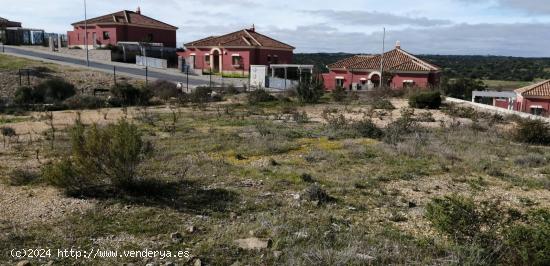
{"x":239,"y":172}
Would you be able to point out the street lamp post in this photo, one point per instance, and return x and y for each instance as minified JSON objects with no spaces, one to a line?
{"x":86,"y":34}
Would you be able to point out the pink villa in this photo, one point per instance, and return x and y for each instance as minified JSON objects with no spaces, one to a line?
{"x":534,"y":99}
{"x":122,"y":26}
{"x":234,"y":53}
{"x":362,"y":72}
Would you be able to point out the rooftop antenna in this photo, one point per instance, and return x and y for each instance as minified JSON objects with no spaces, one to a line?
{"x":382,"y":58}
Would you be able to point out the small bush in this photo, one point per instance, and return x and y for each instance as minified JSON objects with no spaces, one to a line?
{"x":381,"y":103}
{"x":339,"y":94}
{"x":8,"y":132}
{"x":200,"y":95}
{"x":164,"y":90}
{"x":531,"y":160}
{"x":24,"y":95}
{"x":316,"y":193}
{"x":490,"y":234}
{"x":397,"y":130}
{"x":84,"y":102}
{"x":529,"y":243}
{"x":300,"y":117}
{"x":307,"y":178}
{"x":310,"y":91}
{"x":126,"y":94}
{"x":260,"y":96}
{"x":367,"y":129}
{"x":100,"y":157}
{"x":340,"y":127}
{"x":423,"y":100}
{"x":463,"y":112}
{"x":22,"y":177}
{"x":52,"y":90}
{"x":231,"y":90}
{"x":456,"y":216}
{"x":532,"y":132}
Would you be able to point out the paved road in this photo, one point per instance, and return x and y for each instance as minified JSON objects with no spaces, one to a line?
{"x":121,"y":70}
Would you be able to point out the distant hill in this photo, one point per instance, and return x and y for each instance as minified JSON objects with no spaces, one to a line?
{"x":455,"y":66}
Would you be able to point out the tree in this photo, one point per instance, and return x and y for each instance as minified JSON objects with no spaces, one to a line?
{"x":462,"y":88}
{"x":311,"y":91}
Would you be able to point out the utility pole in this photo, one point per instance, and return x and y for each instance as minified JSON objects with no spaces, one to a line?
{"x":86,"y":34}
{"x":382,"y":58}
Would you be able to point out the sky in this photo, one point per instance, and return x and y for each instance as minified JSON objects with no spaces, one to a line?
{"x":459,"y":27}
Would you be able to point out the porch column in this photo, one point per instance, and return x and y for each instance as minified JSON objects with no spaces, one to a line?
{"x":221,"y":63}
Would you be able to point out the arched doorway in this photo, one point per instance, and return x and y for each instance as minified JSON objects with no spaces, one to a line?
{"x":216,"y":62}
{"x":374,"y":80}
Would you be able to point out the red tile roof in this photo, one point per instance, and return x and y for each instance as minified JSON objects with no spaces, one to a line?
{"x":126,"y":17}
{"x":541,"y":89}
{"x":394,"y":60}
{"x":241,"y":38}
{"x":347,"y":62}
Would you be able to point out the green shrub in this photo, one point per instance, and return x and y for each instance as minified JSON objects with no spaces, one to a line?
{"x":532,"y":132}
{"x":397,"y":130}
{"x":260,"y":96}
{"x":164,"y":90}
{"x":126,"y":94}
{"x":84,"y":102}
{"x":490,"y":235}
{"x":100,"y":157}
{"x":529,"y":243}
{"x":462,"y":88}
{"x":456,"y":216}
{"x":310,"y":91}
{"x":463,"y":112}
{"x":24,"y":95}
{"x":316,"y":193}
{"x":200,"y":95}
{"x":21,"y":177}
{"x":339,"y":94}
{"x":531,"y":160}
{"x":381,"y":103}
{"x":340,"y":127}
{"x":53,"y":90}
{"x":429,"y":100}
{"x":367,"y":129}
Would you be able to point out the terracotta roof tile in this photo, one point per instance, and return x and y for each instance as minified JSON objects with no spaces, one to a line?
{"x":128,"y":18}
{"x":246,"y":37}
{"x":541,"y":89}
{"x":394,"y":60}
{"x":347,"y":62}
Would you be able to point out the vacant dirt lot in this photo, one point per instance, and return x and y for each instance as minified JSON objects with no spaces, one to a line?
{"x":228,"y":175}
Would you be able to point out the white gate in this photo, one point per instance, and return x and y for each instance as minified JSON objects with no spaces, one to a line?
{"x":258,"y":75}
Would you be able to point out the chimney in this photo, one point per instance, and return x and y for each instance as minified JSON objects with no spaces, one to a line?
{"x":398,"y":45}
{"x":253,"y":29}
{"x":138,"y":11}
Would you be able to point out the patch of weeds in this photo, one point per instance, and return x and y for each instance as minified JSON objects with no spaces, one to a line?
{"x":307,"y":178}
{"x":22,"y":177}
{"x":531,"y":160}
{"x":381,"y":103}
{"x":488,"y":234}
{"x":316,"y":193}
{"x":398,"y":217}
{"x":535,"y":132}
{"x":477,"y":183}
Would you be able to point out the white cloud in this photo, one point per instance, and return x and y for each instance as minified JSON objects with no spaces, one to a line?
{"x":501,"y":27}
